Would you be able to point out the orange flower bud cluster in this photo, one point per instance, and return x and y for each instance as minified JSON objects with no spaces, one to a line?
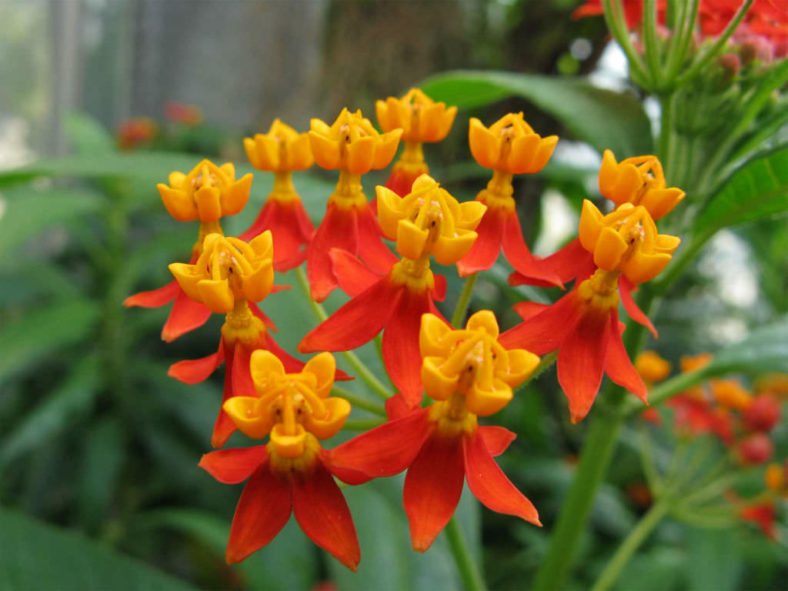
{"x":419,"y":117}
{"x":282,"y":149}
{"x":510,"y":145}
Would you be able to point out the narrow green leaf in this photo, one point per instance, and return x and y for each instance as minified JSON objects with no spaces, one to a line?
{"x":600,"y":117}
{"x":43,"y":331}
{"x":103,"y":453}
{"x":86,"y":135}
{"x":757,"y":190}
{"x":56,"y":413}
{"x":764,"y":350}
{"x":713,"y":560}
{"x":38,"y":556}
{"x":26,"y":212}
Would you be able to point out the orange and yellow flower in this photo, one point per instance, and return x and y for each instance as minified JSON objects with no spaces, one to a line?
{"x":291,"y":473}
{"x":510,"y":146}
{"x":468,"y":374}
{"x":353,"y":146}
{"x":421,"y":120}
{"x":282,"y":150}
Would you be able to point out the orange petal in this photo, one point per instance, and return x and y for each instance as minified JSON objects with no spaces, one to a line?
{"x":351,"y":274}
{"x":490,"y":485}
{"x":194,"y":371}
{"x":337,"y":230}
{"x":581,"y":361}
{"x":401,"y":344}
{"x":231,"y":466}
{"x":625,"y":288}
{"x":385,"y":450}
{"x":485,"y":250}
{"x":262,"y":511}
{"x":432,"y":489}
{"x":357,"y":322}
{"x":547,"y":330}
{"x":185,"y":316}
{"x":154,"y":298}
{"x":323,"y":514}
{"x":519,"y":256}
{"x":496,"y":439}
{"x":618,"y":366}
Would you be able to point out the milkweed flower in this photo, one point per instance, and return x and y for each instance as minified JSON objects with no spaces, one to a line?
{"x":421,"y":120}
{"x":583,"y":325}
{"x":206,"y":194}
{"x":230,"y":277}
{"x":427,"y":222}
{"x":508,"y":147}
{"x":136,"y":132}
{"x":282,"y":151}
{"x":354,"y":147}
{"x":188,"y":115}
{"x":468,"y":374}
{"x":291,"y":473}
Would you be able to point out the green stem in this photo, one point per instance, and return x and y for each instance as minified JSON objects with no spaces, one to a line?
{"x":704,"y":59}
{"x":465,"y":299}
{"x":359,"y":402}
{"x":667,"y":390}
{"x":363,"y":371}
{"x":632,"y":542}
{"x":652,"y":42}
{"x":469,"y":571}
{"x":614,"y":17}
{"x":594,"y":459}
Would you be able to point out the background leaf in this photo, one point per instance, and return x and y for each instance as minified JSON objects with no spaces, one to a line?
{"x":38,"y":556}
{"x":764,"y":350}
{"x":86,"y":135}
{"x":44,"y":330}
{"x":757,"y":190}
{"x":600,"y":117}
{"x":24,"y":213}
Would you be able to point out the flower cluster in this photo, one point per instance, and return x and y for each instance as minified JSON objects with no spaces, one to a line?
{"x":381,"y":255}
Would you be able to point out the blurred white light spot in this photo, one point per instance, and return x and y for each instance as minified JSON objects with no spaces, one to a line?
{"x":727,"y":261}
{"x":611,"y":70}
{"x":581,"y":48}
{"x":559,"y":222}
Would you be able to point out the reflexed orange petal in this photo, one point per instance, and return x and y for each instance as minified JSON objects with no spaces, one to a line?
{"x":194,"y":371}
{"x":185,"y":316}
{"x":352,"y":275}
{"x":433,"y":487}
{"x":527,"y":310}
{"x":571,"y":262}
{"x":401,"y":180}
{"x":547,"y":330}
{"x":439,"y":291}
{"x":401,"y":344}
{"x":261,"y":513}
{"x":337,"y":230}
{"x":525,"y":264}
{"x":323,"y":514}
{"x":357,"y":322}
{"x":397,"y":407}
{"x":618,"y":366}
{"x":385,"y":450}
{"x":291,"y":229}
{"x":496,"y":439}
{"x":371,"y":248}
{"x":625,"y":288}
{"x":154,"y":298}
{"x":485,"y":250}
{"x":490,"y":485}
{"x":231,"y":466}
{"x":581,"y":361}
{"x":237,"y":382}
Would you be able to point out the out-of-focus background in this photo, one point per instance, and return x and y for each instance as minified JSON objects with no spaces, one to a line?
{"x":99,"y":101}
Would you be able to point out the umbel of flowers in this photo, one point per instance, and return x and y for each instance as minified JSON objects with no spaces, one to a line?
{"x":207,"y":193}
{"x":426,"y":223}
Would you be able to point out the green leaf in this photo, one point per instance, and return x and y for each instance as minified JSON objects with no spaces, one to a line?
{"x":25,"y":213}
{"x":764,"y":350}
{"x":43,"y":331}
{"x":86,"y":135}
{"x":54,"y":414}
{"x":713,"y":560}
{"x":601,"y":117}
{"x":38,"y":556}
{"x":757,"y":190}
{"x":286,"y":563}
{"x":103,"y":454}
